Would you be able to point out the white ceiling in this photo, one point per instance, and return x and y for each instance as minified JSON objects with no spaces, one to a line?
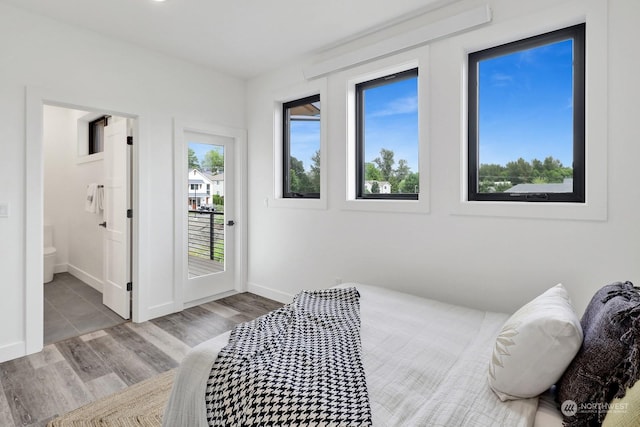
{"x":241,"y":37}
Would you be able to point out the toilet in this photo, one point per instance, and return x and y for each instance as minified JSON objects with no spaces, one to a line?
{"x":49,"y":254}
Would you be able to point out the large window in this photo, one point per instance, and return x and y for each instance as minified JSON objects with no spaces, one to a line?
{"x":387,"y":137}
{"x":527,"y":119}
{"x":301,"y":148}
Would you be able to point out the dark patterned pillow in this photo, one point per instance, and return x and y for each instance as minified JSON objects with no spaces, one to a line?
{"x":609,"y":360}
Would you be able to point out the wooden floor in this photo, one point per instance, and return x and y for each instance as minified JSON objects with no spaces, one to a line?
{"x":70,"y":373}
{"x":202,"y":266}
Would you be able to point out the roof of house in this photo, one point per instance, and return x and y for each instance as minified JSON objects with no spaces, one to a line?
{"x":214,"y":177}
{"x":561,"y":187}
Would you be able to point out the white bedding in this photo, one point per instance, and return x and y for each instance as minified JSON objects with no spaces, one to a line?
{"x":425,"y":362}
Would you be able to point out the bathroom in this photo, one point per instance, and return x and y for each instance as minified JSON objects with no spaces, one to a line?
{"x":73,"y":252}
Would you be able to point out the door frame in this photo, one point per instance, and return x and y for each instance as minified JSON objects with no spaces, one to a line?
{"x":180,"y":170}
{"x":36,"y":98}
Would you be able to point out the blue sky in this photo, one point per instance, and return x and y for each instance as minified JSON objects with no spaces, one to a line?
{"x":525,"y":111}
{"x":391,"y":121}
{"x":202,"y":148}
{"x":526,"y":105}
{"x":304,"y":140}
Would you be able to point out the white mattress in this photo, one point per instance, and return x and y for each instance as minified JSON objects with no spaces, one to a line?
{"x":425,"y":362}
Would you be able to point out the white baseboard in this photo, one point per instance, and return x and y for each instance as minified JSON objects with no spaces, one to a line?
{"x":270,"y":293}
{"x":61,"y":268}
{"x":87,"y":278}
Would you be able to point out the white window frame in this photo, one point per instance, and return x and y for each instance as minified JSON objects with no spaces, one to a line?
{"x":594,"y":13}
{"x":402,"y":62}
{"x":298,"y":92}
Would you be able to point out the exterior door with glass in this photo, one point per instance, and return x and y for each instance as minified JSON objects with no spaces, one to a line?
{"x":208,"y":214}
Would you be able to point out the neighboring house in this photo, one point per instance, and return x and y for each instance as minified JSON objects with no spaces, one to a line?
{"x":384,"y":187}
{"x":202,"y":186}
{"x":217,"y":183}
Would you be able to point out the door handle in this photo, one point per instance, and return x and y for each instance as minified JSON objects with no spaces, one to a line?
{"x":230,"y":223}
{"x":103,"y":224}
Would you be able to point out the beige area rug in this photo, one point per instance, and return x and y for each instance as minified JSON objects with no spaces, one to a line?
{"x":140,"y":405}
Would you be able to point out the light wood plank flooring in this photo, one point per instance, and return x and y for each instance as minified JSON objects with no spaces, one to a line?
{"x":200,"y":266}
{"x":73,"y":372}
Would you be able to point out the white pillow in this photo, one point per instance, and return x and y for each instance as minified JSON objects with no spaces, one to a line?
{"x":535,"y":346}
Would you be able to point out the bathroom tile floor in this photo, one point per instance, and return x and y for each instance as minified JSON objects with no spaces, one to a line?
{"x":73,"y":308}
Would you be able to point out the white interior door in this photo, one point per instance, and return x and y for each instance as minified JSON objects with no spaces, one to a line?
{"x":117,"y":226}
{"x":208,"y":211}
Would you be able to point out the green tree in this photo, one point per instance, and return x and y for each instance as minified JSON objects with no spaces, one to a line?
{"x":213,"y":161}
{"x":314,"y":172}
{"x":498,"y":178}
{"x":193,"y":160}
{"x":410,"y":184}
{"x":382,"y":169}
{"x":385,"y":163}
{"x":372,"y":173}
{"x":299,"y":181}
{"x":375,"y":187}
{"x":519,"y":172}
{"x":403,"y":170}
{"x":492,"y":172}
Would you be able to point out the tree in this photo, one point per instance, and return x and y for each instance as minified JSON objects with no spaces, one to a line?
{"x":519,"y":172}
{"x":213,"y":161}
{"x":382,"y":169}
{"x":193,"y":160}
{"x":375,"y":187}
{"x":498,"y":178}
{"x":492,"y":172}
{"x":385,"y":163}
{"x":314,"y":172}
{"x":299,"y":181}
{"x":410,"y":184}
{"x":403,"y":170}
{"x":372,"y":173}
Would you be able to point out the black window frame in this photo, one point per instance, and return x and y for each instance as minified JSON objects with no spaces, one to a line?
{"x":360,"y":123}
{"x":97,"y":125}
{"x":286,"y":148}
{"x":577,"y":33}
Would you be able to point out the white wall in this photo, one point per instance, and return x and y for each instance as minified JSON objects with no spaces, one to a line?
{"x":488,"y":261}
{"x":58,"y":131}
{"x":102,"y":74}
{"x":77,"y":237}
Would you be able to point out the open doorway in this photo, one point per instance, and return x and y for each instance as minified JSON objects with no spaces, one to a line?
{"x":86,"y":215}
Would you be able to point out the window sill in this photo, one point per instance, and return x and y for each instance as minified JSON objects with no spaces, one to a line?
{"x":381,"y":205}
{"x":90,"y":158}
{"x":301,"y":203}
{"x":534,"y":210}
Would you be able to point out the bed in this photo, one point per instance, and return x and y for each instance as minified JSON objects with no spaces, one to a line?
{"x":425,"y":361}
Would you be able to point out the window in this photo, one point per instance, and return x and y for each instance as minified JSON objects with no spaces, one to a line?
{"x":301,"y":148}
{"x":387,"y":137}
{"x":527,"y":119}
{"x":96,"y":134}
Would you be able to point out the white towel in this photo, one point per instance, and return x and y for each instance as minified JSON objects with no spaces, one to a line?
{"x":90,"y":204}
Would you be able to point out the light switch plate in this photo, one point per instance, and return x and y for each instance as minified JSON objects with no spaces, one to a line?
{"x":4,"y":210}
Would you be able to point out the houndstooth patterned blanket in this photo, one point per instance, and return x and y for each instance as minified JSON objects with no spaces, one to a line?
{"x":298,"y":365}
